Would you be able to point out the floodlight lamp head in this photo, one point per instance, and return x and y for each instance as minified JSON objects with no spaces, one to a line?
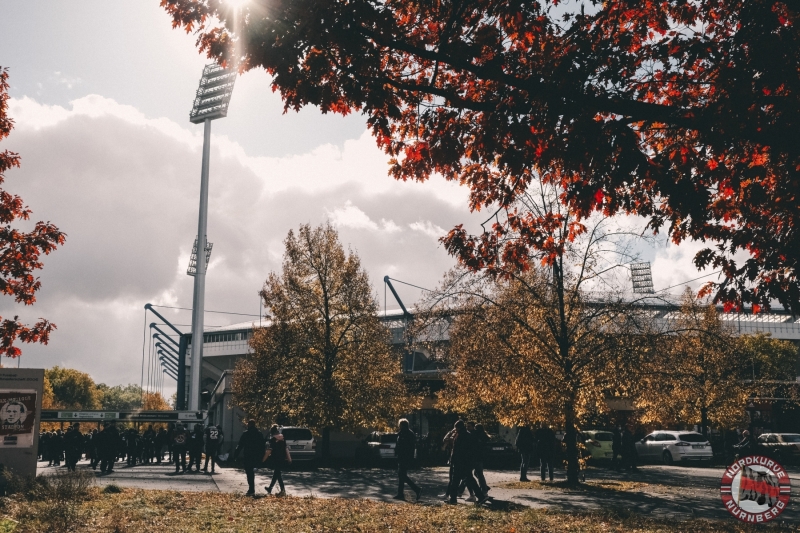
{"x":213,"y":94}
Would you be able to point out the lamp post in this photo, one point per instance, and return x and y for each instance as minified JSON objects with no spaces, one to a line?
{"x":211,"y":102}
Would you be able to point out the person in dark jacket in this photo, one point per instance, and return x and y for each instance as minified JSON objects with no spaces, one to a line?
{"x":196,"y":447}
{"x":462,"y":458}
{"x":746,"y":446}
{"x":73,"y":446}
{"x":525,"y":446}
{"x":161,"y":442}
{"x":616,"y":448}
{"x":108,"y":447}
{"x":149,"y":444}
{"x":277,"y":457}
{"x":214,"y":439}
{"x":180,"y":442}
{"x":252,"y":447}
{"x":404,"y":450}
{"x":482,"y":439}
{"x":628,"y":450}
{"x":546,"y":448}
{"x":132,"y":445}
{"x":57,"y":447}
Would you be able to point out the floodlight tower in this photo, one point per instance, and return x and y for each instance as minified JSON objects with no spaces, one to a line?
{"x":211,"y":102}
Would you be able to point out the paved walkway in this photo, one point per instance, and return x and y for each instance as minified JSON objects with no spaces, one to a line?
{"x":671,"y":491}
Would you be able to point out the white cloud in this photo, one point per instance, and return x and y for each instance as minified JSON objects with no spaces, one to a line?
{"x":428,"y":228}
{"x":124,"y":188}
{"x":350,"y":216}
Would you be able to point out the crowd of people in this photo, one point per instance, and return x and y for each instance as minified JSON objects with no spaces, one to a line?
{"x":111,"y":445}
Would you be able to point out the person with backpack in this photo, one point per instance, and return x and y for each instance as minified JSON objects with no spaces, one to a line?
{"x":278,"y":458}
{"x":252,"y":446}
{"x":404,"y":450}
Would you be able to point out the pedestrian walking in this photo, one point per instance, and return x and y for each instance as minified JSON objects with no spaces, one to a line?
{"x":616,"y":448}
{"x":73,"y":446}
{"x":252,"y":447}
{"x":108,"y":447}
{"x":545,"y":447}
{"x":628,"y":450}
{"x":196,"y":447}
{"x":404,"y":450}
{"x":277,"y":457}
{"x":214,"y":439}
{"x":447,"y":447}
{"x":132,"y":446}
{"x":161,"y":443}
{"x":525,"y":444}
{"x":477,"y":459}
{"x":180,"y":442}
{"x":482,"y":443}
{"x":462,"y":459}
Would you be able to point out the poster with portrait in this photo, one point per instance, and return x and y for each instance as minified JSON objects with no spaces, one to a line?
{"x":17,"y":418}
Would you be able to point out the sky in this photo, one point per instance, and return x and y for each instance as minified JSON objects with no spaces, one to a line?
{"x":101,"y":93}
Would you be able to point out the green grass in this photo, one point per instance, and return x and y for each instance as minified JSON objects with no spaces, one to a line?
{"x":135,"y":511}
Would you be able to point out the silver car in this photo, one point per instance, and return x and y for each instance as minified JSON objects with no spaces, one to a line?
{"x":382,"y":445}
{"x":675,"y":446}
{"x":301,"y":443}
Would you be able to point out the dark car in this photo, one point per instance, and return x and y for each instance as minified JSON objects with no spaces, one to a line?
{"x":783,"y":447}
{"x":498,"y":453}
{"x":382,"y":445}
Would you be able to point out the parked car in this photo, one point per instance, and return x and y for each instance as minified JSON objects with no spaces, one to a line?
{"x":499,"y":453}
{"x":301,"y":443}
{"x":382,"y":445}
{"x":675,"y":446}
{"x":598,"y":444}
{"x":784,"y":447}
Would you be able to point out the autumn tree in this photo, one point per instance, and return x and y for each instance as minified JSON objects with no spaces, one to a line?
{"x":72,"y":389}
{"x":130,"y":397}
{"x":764,"y":358}
{"x":681,"y":112}
{"x":20,"y":251}
{"x":324,"y":361}
{"x":549,"y":343}
{"x":694,"y":378}
{"x":154,"y":401}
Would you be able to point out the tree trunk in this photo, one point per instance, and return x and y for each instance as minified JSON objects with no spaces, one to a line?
{"x":704,"y":421}
{"x":573,"y":466}
{"x":326,"y":445}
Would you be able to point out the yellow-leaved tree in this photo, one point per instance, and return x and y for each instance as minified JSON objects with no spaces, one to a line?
{"x":324,"y":361}
{"x":695,"y":377}
{"x":550,"y":342}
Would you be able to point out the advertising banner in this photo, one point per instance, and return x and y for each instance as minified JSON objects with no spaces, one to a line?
{"x":17,"y":417}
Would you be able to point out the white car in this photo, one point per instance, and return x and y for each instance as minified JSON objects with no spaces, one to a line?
{"x":301,"y":443}
{"x":598,"y":444}
{"x":382,"y":445}
{"x":674,"y":446}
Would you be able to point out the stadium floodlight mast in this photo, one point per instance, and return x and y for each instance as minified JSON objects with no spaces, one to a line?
{"x":211,"y":102}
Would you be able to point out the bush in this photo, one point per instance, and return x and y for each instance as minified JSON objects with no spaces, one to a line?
{"x":59,"y":497}
{"x":112,"y":489}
